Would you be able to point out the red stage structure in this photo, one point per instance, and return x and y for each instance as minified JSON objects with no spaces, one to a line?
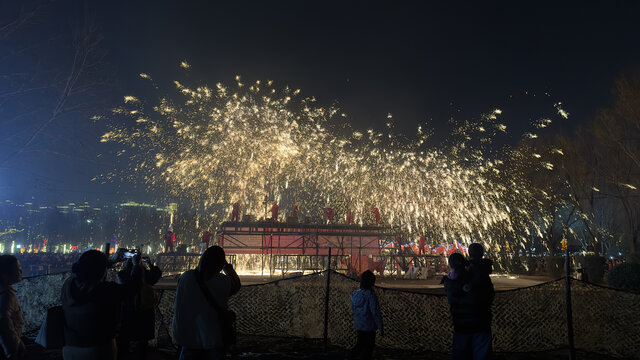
{"x":304,"y":246}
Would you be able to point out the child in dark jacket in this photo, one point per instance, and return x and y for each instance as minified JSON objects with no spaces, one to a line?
{"x":366,"y":317}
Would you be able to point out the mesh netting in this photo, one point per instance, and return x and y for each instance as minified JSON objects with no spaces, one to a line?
{"x":528,"y":319}
{"x":606,"y":320}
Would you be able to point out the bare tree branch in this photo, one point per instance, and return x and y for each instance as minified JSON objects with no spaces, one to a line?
{"x":24,"y":16}
{"x":84,"y":46}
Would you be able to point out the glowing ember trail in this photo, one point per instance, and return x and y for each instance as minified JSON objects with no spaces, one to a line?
{"x":254,"y":143}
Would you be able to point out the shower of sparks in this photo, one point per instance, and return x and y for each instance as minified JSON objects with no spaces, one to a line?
{"x":252,"y":143}
{"x":561,"y":111}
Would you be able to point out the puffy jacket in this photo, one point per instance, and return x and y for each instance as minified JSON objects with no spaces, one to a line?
{"x":471,"y":311}
{"x":366,"y":311}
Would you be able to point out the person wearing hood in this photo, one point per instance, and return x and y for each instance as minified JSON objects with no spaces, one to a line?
{"x":366,"y":317}
{"x":92,"y":307}
{"x":11,"y":319}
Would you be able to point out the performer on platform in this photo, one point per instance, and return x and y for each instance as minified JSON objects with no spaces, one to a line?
{"x":328,"y":213}
{"x":235,"y":213}
{"x":274,"y":212}
{"x":206,"y":237}
{"x":376,"y":214}
{"x":422,"y":243}
{"x":350,"y":217}
{"x":169,"y":240}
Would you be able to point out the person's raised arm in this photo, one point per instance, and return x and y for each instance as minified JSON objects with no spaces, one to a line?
{"x":130,"y":277}
{"x":233,"y":276}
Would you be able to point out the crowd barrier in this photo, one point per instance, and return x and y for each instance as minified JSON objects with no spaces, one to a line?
{"x":606,"y":321}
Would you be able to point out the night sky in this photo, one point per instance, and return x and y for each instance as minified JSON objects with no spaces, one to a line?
{"x":423,"y":62}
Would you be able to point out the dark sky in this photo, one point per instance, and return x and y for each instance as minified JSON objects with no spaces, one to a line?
{"x":412,"y":59}
{"x":422,"y":61}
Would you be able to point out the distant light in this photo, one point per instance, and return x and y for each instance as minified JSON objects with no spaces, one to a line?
{"x":18,"y":246}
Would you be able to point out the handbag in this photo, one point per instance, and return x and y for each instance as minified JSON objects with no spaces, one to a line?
{"x":227,"y":317}
{"x":51,"y":333}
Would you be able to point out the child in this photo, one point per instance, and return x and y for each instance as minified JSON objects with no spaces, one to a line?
{"x":366,"y":317}
{"x":11,"y":320}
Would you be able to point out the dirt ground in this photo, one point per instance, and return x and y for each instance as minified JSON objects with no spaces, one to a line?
{"x":271,"y":348}
{"x":429,"y":286}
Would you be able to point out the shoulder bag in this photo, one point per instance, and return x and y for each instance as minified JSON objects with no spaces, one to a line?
{"x":227,"y":317}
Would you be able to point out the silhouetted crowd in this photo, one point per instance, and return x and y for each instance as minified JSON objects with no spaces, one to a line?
{"x":46,"y":263}
{"x":103,"y":319}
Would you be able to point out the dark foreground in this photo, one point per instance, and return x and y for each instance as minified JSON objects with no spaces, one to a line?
{"x":257,"y":347}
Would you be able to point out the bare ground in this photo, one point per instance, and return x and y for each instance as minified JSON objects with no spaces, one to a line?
{"x":272,"y":348}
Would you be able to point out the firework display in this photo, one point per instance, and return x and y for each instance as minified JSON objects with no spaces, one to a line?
{"x":255,"y":146}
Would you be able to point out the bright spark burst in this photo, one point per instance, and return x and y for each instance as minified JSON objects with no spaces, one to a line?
{"x":254,"y":143}
{"x":561,"y":111}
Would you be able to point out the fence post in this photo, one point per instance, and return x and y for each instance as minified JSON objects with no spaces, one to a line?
{"x":326,"y":302}
{"x":567,"y":269}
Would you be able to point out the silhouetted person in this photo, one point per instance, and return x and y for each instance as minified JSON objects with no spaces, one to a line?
{"x":138,"y":312}
{"x":92,"y":307}
{"x":196,"y":326}
{"x":366,"y":317}
{"x":11,"y":319}
{"x":479,"y":269}
{"x":471,"y":312}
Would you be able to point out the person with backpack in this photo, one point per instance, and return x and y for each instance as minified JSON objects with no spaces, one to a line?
{"x":202,"y":324}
